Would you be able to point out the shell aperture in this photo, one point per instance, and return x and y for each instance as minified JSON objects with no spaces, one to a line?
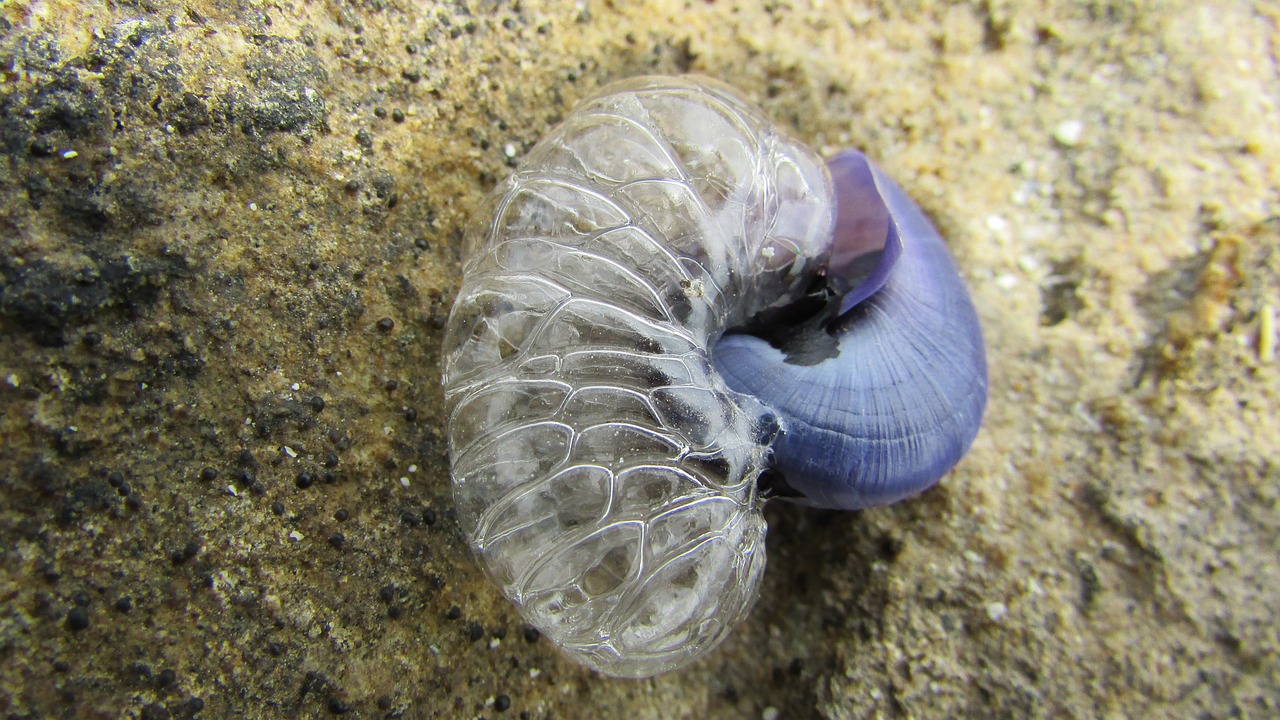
{"x":605,"y":457}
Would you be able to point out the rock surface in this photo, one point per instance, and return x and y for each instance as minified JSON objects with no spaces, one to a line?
{"x":231,"y":236}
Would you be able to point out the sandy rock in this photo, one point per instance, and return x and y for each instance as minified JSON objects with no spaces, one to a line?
{"x":232,"y":235}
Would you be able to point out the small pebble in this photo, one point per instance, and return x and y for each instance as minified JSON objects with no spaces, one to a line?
{"x":1069,"y":133}
{"x":997,"y":611}
{"x":1267,"y":334}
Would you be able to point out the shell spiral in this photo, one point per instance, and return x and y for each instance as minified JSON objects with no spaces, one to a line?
{"x":604,"y":473}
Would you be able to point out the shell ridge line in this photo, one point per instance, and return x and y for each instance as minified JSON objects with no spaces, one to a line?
{"x":492,"y":513}
{"x":505,"y":363}
{"x":670,"y":330}
{"x":626,"y":602}
{"x":568,"y":540}
{"x":665,"y":149}
{"x":466,"y":455}
{"x":638,"y":280}
{"x":482,"y":391}
{"x":683,"y":175}
{"x":516,"y":185}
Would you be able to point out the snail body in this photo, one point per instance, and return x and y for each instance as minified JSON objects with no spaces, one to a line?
{"x":607,"y":438}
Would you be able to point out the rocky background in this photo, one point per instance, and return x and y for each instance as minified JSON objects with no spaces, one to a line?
{"x":231,"y":235}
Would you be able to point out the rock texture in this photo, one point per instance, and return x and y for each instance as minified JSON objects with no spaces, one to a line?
{"x":230,"y":237}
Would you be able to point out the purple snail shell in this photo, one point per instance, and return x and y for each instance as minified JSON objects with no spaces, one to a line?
{"x":671,"y":311}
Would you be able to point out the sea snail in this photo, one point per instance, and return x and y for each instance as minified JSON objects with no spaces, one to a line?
{"x":671,"y":311}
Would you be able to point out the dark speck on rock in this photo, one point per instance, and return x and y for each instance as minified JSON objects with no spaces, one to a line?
{"x":531,"y":634}
{"x":385,"y":324}
{"x":338,"y":707}
{"x":316,"y":402}
{"x":124,"y":604}
{"x":48,"y":298}
{"x":502,"y":703}
{"x":304,"y":480}
{"x":209,"y":474}
{"x":185,"y":553}
{"x":77,"y":619}
{"x":277,"y":508}
{"x":166,"y":677}
{"x":155,"y":711}
{"x":453,"y":613}
{"x":474,"y":630}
